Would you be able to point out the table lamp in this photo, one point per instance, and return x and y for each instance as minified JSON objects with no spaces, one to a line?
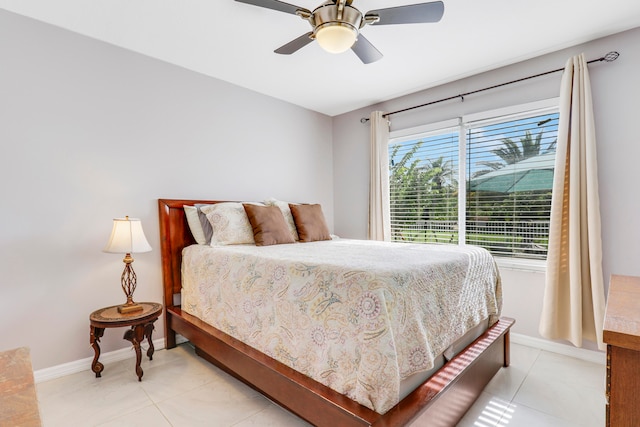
{"x":126,"y":238}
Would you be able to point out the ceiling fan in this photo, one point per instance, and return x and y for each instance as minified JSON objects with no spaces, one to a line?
{"x":336,"y":24}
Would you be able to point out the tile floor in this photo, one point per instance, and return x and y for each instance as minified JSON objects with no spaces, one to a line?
{"x":180,"y":389}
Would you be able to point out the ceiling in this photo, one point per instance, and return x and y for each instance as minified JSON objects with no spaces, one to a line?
{"x":235,"y":41}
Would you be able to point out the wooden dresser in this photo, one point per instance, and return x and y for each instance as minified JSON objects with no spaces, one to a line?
{"x":622,"y":336}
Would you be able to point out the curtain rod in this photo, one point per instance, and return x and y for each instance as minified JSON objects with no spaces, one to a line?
{"x":609,"y":57}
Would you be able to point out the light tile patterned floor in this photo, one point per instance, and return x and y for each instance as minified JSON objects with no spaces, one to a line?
{"x":180,"y":389}
{"x":543,"y":389}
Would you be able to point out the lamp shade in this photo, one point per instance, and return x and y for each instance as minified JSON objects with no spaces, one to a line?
{"x":336,"y":37}
{"x":127,"y":237}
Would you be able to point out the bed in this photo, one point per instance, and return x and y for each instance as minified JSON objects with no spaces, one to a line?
{"x":440,"y":399}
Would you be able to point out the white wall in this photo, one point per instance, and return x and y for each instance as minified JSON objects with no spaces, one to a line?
{"x":616,"y":92}
{"x":90,"y":132}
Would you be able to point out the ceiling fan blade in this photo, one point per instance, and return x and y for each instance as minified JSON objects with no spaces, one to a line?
{"x":365,"y":50}
{"x":409,"y":14}
{"x":295,"y":44}
{"x":275,"y":5}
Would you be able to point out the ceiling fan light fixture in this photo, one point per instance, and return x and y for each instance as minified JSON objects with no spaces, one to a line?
{"x":336,"y":37}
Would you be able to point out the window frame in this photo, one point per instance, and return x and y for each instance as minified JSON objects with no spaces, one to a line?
{"x":474,"y":120}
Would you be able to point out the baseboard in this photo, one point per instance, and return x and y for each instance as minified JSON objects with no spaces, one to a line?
{"x":556,"y":347}
{"x":74,"y":367}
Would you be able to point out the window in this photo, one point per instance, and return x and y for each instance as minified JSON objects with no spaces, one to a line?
{"x":423,"y":186}
{"x":484,"y":180}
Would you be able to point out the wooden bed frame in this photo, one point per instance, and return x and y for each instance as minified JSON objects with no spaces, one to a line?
{"x":441,"y":400}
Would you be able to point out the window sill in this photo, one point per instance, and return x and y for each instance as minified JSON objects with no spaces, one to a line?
{"x":519,"y":264}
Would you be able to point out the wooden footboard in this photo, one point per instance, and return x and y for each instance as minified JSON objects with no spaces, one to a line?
{"x":440,"y":401}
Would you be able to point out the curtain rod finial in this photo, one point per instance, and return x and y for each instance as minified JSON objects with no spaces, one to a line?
{"x":364,"y":120}
{"x":611,"y":56}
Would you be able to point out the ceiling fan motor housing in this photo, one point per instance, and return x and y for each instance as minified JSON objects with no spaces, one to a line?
{"x":328,"y":14}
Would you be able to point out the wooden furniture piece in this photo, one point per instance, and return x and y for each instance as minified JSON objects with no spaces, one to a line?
{"x":141,"y":323}
{"x":18,"y":399}
{"x":622,"y":335}
{"x":440,"y":401}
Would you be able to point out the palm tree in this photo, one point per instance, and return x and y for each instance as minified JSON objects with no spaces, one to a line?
{"x":511,"y":152}
{"x":441,"y":200}
{"x":439,"y":173}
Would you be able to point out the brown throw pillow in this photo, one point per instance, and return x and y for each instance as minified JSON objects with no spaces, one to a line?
{"x":310,"y":222}
{"x":268,"y":224}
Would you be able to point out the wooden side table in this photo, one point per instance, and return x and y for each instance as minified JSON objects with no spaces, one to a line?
{"x":141,"y":323}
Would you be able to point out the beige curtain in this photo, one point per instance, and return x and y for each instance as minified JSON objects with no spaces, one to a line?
{"x":379,"y":222}
{"x":573,"y":306}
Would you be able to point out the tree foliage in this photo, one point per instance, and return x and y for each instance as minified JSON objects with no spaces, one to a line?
{"x":421,"y":189}
{"x":512,"y":152}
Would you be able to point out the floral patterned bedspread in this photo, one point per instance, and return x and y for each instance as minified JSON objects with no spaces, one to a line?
{"x":358,"y":316}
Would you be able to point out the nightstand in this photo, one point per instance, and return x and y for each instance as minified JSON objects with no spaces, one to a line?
{"x":141,"y":323}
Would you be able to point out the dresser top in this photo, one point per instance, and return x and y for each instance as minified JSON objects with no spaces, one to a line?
{"x":622,"y":316}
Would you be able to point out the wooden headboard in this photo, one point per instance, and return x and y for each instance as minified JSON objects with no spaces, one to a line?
{"x":174,"y":236}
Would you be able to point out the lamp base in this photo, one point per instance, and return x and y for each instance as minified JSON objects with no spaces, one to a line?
{"x":129,"y":308}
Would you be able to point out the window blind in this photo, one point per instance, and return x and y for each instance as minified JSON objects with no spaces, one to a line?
{"x":423,"y":185}
{"x":510,"y":167}
{"x":507,"y":170}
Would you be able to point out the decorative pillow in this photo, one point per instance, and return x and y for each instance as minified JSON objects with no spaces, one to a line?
{"x":286,"y":212}
{"x":268,"y":224}
{"x":310,"y":222}
{"x":195,"y":225}
{"x":206,"y":225}
{"x":229,"y":223}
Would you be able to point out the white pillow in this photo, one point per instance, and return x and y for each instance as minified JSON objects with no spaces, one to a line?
{"x":194,"y":224}
{"x":230,"y":224}
{"x":286,"y":212}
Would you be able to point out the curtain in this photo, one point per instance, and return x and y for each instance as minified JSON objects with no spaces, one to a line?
{"x":379,"y":216}
{"x":573,"y":306}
